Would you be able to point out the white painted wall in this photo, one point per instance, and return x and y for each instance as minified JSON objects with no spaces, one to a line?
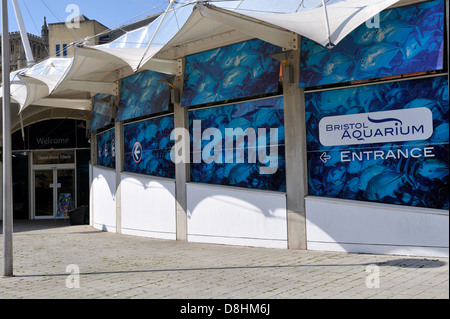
{"x":236,"y":216}
{"x":104,"y":199}
{"x":359,"y":227}
{"x":148,"y":206}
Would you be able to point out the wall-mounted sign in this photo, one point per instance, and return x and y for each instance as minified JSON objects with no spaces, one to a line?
{"x":386,"y":143}
{"x":106,"y":149}
{"x":136,"y":152}
{"x":376,"y":127}
{"x":52,"y":134}
{"x":46,"y":158}
{"x":147,"y":147}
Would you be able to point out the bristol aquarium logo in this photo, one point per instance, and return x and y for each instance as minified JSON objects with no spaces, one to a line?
{"x":377,"y":127}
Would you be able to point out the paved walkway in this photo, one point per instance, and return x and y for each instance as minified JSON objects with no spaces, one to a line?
{"x":49,"y":254}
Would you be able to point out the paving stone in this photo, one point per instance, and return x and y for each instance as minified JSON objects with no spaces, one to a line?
{"x":113,"y":266}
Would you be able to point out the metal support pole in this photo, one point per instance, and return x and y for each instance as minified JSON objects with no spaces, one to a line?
{"x":327,"y":24}
{"x":171,"y":3}
{"x":7,"y":165}
{"x":23,"y":34}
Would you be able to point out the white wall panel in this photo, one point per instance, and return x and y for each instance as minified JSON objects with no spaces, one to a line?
{"x":148,"y":206}
{"x":236,"y":216}
{"x":359,"y":227}
{"x":104,"y":199}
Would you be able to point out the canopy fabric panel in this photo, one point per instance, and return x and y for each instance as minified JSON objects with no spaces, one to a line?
{"x":18,"y":89}
{"x":309,"y":18}
{"x":267,"y":20}
{"x":38,"y":81}
{"x":137,"y":47}
{"x":49,"y":72}
{"x":181,"y":30}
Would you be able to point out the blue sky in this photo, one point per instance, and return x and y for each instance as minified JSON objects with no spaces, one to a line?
{"x":111,"y":13}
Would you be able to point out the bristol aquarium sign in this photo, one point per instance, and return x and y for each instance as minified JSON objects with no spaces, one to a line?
{"x":385,"y":143}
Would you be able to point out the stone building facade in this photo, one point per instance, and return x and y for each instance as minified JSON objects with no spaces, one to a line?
{"x":39,"y":48}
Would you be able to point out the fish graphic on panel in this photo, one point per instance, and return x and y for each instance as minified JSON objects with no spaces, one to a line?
{"x":236,"y":71}
{"x":411,"y":166}
{"x":409,"y":39}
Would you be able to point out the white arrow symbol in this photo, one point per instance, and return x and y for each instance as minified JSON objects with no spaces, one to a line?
{"x":137,"y":152}
{"x":325,"y":157}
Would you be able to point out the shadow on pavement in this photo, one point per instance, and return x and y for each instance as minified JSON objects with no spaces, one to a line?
{"x":407,"y":263}
{"x":23,"y":225}
{"x":413,"y":263}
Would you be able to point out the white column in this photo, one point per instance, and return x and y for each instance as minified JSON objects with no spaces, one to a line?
{"x":296,"y":157}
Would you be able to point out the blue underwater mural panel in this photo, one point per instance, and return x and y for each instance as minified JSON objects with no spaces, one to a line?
{"x":101,"y":111}
{"x":240,"y":164}
{"x":408,"y":40}
{"x":237,"y":71}
{"x":106,"y":150}
{"x":147,"y":147}
{"x":412,"y":172}
{"x":142,"y":94}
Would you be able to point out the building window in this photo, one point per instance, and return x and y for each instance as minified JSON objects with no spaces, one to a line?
{"x":58,"y":50}
{"x":65,"y":50}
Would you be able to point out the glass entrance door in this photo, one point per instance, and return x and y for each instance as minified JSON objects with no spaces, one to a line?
{"x":54,"y":192}
{"x":43,"y":193}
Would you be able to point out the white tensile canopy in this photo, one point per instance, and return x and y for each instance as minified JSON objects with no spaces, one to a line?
{"x":183,"y":29}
